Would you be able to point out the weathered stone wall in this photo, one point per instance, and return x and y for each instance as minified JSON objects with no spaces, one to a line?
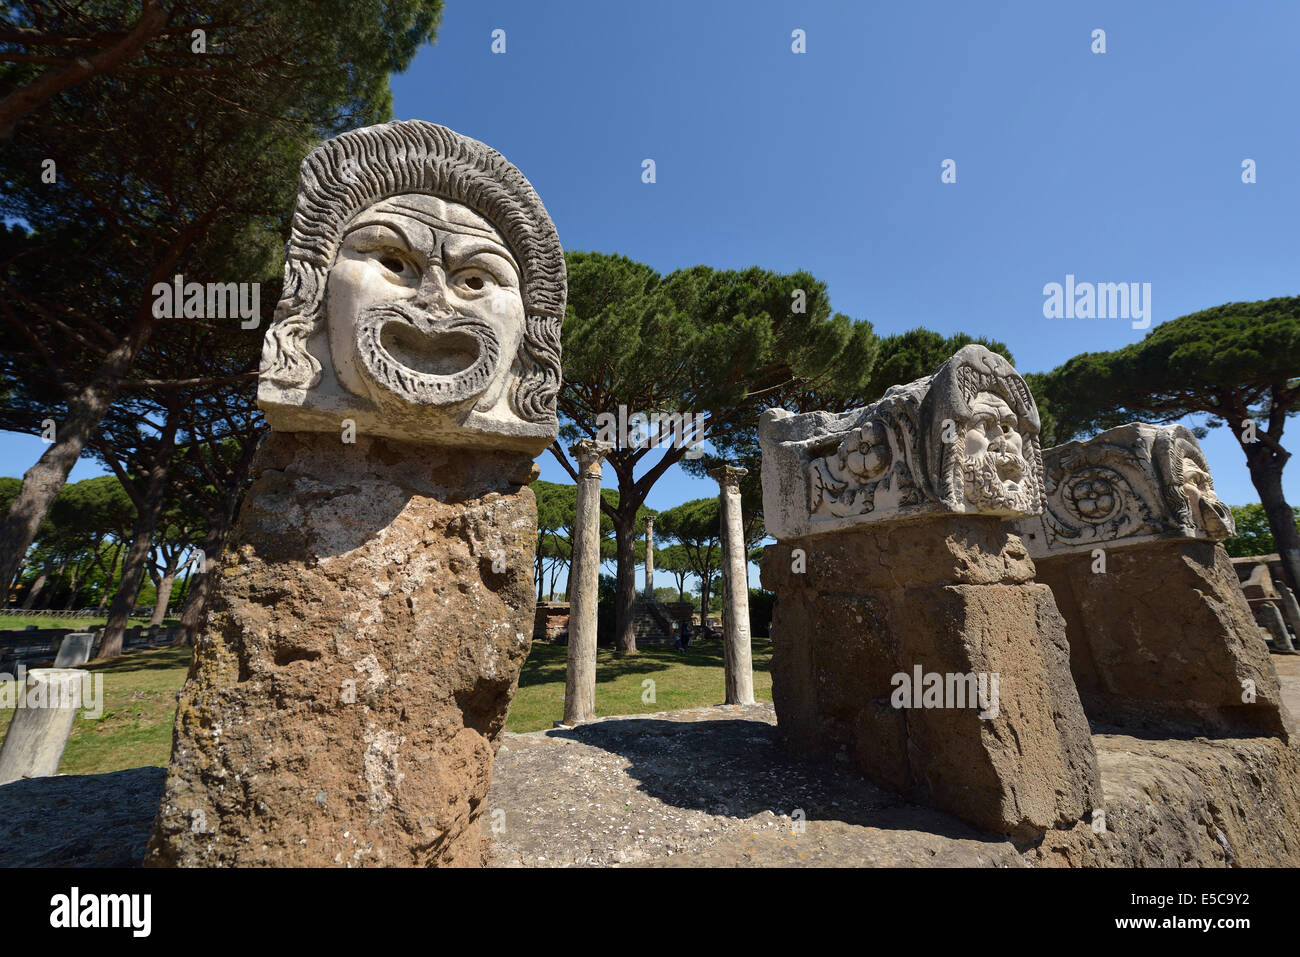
{"x":365,"y":639}
{"x":952,"y":595}
{"x":551,"y":620}
{"x":1202,"y":802}
{"x":1164,"y":639}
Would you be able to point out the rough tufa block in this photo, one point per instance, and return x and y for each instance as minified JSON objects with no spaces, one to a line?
{"x":1161,"y":635}
{"x":894,"y":558}
{"x":364,"y":642}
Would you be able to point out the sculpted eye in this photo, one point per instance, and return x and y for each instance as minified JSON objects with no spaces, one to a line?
{"x":392,"y":264}
{"x":473,"y":280}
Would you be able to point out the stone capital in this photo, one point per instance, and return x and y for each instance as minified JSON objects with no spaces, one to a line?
{"x":729,"y":475}
{"x":590,"y":454}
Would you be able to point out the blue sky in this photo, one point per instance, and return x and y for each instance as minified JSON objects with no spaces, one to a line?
{"x":1115,"y":167}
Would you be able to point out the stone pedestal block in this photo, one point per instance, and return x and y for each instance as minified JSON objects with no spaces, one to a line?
{"x":866,"y":612}
{"x":364,"y":641}
{"x":1164,"y":639}
{"x":1269,"y":618}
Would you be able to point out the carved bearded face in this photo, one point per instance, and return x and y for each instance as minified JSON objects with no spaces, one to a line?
{"x":424,"y":306}
{"x":994,"y":469}
{"x":1206,"y":510}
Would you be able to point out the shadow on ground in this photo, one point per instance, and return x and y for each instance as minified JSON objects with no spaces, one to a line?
{"x":738,"y":768}
{"x":80,"y":820}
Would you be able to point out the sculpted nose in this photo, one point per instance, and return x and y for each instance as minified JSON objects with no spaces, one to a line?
{"x":432,"y":294}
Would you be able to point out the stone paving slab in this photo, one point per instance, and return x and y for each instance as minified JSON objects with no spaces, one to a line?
{"x":704,"y":787}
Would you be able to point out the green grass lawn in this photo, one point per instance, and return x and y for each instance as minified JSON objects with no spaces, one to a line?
{"x":140,"y":697}
{"x":691,"y":679}
{"x":81,"y":624}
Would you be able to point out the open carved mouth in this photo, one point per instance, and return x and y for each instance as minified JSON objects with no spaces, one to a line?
{"x":1215,"y":516}
{"x":437,"y":353}
{"x":1011,"y":469}
{"x":427,"y":362}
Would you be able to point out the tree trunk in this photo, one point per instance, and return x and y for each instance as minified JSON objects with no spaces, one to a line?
{"x":46,"y":478}
{"x":108,"y":579}
{"x":185,"y":582}
{"x":624,"y":627}
{"x":128,"y":589}
{"x":196,"y":605}
{"x":74,"y":583}
{"x":1266,"y":476}
{"x":705,"y":590}
{"x":149,"y":510}
{"x":164,"y":596}
{"x":35,"y":590}
{"x":196,"y":599}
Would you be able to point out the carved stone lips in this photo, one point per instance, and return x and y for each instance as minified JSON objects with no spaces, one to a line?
{"x":427,"y":361}
{"x":1011,"y":467}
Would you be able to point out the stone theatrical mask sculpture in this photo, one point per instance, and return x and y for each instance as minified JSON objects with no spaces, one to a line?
{"x":424,"y":292}
{"x":1130,"y":484}
{"x":964,"y":440}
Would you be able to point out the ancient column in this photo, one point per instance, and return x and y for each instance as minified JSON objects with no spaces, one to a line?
{"x":584,"y":579}
{"x":1161,"y":635}
{"x":42,"y":721}
{"x":735,"y":622}
{"x":650,"y":557}
{"x":373,"y":608}
{"x":1290,"y":608}
{"x":909,"y":636}
{"x":1269,"y":617}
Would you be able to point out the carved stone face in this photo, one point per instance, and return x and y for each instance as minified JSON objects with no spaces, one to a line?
{"x":1206,"y":510}
{"x":994,"y":469}
{"x":424,"y":306}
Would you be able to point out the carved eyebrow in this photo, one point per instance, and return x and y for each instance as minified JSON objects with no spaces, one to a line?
{"x":392,"y":227}
{"x":492,"y":249}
